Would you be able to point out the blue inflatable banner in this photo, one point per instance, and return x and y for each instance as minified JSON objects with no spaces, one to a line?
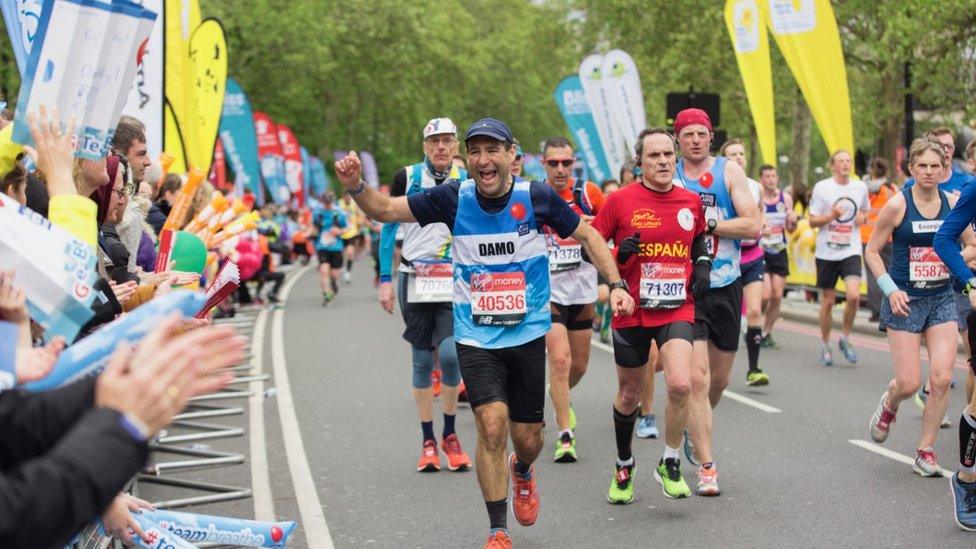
{"x":571,"y":100}
{"x":320,"y":181}
{"x":240,"y":142}
{"x":196,"y":528}
{"x":92,"y":353}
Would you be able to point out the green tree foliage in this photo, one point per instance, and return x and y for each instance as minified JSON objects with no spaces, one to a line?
{"x":681,"y":44}
{"x":368,"y":74}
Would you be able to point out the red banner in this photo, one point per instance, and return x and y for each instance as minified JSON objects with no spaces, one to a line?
{"x":271,"y":158}
{"x":218,"y":169}
{"x":294,"y":170}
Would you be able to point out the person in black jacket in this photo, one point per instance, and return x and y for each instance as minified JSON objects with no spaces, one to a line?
{"x":66,"y":453}
{"x":165,"y":197}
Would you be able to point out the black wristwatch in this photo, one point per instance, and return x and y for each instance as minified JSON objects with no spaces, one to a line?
{"x":710,"y":226}
{"x":620,"y":285}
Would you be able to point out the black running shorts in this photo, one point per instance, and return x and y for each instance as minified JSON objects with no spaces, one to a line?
{"x":632,"y":346}
{"x":513,"y":375}
{"x":427,"y":324}
{"x":333,"y":259}
{"x":829,"y":271}
{"x":718,"y":316}
{"x":573,"y":317}
{"x":778,"y":264}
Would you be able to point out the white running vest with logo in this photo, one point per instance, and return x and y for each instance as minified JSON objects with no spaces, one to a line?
{"x":431,"y":242}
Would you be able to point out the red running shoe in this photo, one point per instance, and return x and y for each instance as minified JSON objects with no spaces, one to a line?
{"x":462,"y":393}
{"x":498,"y":540}
{"x":436,"y":377}
{"x":430,"y":461}
{"x":525,"y":501}
{"x":457,"y":460}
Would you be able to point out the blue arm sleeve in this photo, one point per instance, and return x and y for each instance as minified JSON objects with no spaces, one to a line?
{"x":387,"y":242}
{"x":8,"y":354}
{"x":946,"y":241}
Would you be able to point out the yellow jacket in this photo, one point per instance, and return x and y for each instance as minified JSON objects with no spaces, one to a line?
{"x":77,"y":215}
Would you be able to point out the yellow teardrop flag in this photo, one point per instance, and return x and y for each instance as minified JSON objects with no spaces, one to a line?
{"x":208,"y":59}
{"x":806,"y":33}
{"x":182,"y":18}
{"x":751,"y":45}
{"x":174,"y":141}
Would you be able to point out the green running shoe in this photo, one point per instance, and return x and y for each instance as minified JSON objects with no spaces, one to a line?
{"x":668,"y":475}
{"x":622,"y":486}
{"x":566,"y":449}
{"x":768,"y":342}
{"x":757,"y":378}
{"x":572,"y":418}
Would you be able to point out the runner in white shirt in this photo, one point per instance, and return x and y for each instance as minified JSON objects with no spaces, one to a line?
{"x":838,"y":206}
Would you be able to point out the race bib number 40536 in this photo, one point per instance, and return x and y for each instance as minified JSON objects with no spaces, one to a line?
{"x":498,"y":299}
{"x":662,"y":285}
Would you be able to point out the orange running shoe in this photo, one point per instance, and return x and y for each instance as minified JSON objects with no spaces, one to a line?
{"x":430,"y":461}
{"x":457,"y":460}
{"x":498,"y":540}
{"x":436,"y":377}
{"x":525,"y":501}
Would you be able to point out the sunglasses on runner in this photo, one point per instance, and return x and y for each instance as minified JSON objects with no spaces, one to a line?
{"x":556,"y":162}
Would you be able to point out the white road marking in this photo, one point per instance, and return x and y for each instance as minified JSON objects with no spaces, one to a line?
{"x":260,"y":475}
{"x":313,"y":517}
{"x":742,"y":399}
{"x":750,"y":402}
{"x":881,"y":451}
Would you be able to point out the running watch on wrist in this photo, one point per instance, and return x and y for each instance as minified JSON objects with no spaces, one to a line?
{"x":359,"y":189}
{"x":970,"y":285}
{"x":620,"y":285}
{"x":710,"y":226}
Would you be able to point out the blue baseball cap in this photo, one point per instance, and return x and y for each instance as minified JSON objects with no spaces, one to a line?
{"x":489,"y":127}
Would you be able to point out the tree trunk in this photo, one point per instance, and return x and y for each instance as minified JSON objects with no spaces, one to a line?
{"x":800,"y":150}
{"x":891,"y":124}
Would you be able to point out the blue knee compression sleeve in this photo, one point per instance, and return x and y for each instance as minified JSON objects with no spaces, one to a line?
{"x":423,"y":365}
{"x":450,"y":371}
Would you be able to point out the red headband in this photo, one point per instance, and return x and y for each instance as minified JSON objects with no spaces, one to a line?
{"x":688,"y":117}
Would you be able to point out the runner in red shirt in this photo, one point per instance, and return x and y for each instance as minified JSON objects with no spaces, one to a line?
{"x":573,"y":291}
{"x":663,"y":258}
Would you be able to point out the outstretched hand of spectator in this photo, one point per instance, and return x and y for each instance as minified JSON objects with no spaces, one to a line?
{"x":33,"y":363}
{"x":55,"y":150}
{"x":152,"y":383}
{"x":13,"y":304}
{"x":123,"y":291}
{"x":118,"y":521}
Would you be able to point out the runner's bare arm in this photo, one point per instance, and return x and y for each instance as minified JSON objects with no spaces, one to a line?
{"x":748,"y":220}
{"x":377,"y":206}
{"x":596,"y":247}
{"x":890,"y":216}
{"x":790,"y":214}
{"x":829,"y":213}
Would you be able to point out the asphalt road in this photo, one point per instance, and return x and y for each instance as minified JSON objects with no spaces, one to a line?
{"x":793,"y":466}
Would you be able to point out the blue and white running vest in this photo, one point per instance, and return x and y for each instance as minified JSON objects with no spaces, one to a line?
{"x":718,"y":206}
{"x":501,"y":272}
{"x":431,"y":242}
